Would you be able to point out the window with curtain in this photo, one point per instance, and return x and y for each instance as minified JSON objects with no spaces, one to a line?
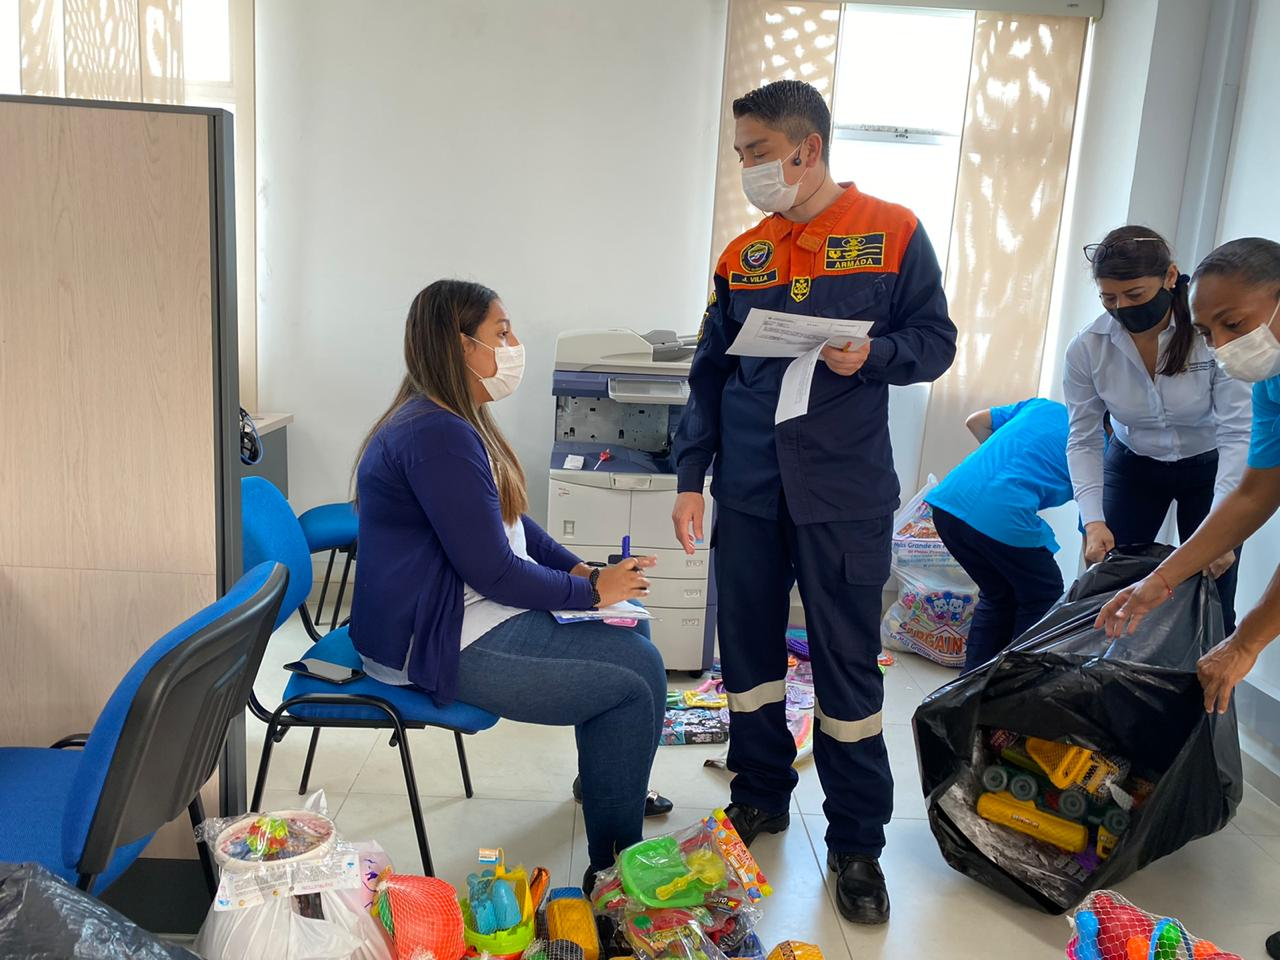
{"x":897,"y":128}
{"x":196,"y":52}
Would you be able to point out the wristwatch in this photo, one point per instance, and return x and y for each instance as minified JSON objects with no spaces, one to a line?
{"x":594,"y":580}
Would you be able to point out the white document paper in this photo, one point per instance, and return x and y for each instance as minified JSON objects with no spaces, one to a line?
{"x":793,"y":398}
{"x":771,"y":333}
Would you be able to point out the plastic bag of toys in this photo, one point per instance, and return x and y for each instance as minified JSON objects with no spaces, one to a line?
{"x":678,"y":890}
{"x":936,"y":598}
{"x":283,"y":876}
{"x":1029,"y":761}
{"x":1109,"y":927}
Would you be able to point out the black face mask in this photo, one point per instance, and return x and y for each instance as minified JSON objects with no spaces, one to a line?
{"x":1141,"y":317}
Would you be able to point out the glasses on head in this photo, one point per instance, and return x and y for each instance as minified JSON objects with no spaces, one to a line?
{"x":1094,"y":252}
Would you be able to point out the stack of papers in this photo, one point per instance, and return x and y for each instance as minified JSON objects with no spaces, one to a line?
{"x":770,"y":333}
{"x":617,"y":611}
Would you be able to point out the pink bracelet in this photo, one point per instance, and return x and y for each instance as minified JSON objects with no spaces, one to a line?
{"x":1157,"y":573}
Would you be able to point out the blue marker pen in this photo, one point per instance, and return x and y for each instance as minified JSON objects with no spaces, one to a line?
{"x":626,"y":547}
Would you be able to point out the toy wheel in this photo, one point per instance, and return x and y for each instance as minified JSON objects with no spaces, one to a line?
{"x":1117,"y":821}
{"x":995,"y":779}
{"x":1023,"y":786}
{"x":1073,"y":804}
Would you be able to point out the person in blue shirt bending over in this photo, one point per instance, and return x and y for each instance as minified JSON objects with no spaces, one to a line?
{"x":987,"y":513}
{"x":455,"y":582}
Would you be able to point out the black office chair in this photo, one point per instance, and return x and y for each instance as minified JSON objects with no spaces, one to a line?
{"x":86,"y":815}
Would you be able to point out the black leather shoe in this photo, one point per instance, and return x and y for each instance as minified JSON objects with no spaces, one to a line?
{"x":655,"y":804}
{"x":861,"y":892}
{"x":1273,"y":946}
{"x":589,"y":881}
{"x":750,"y":822}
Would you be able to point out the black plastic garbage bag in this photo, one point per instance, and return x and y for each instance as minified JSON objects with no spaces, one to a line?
{"x":1135,"y":697}
{"x":44,"y":918}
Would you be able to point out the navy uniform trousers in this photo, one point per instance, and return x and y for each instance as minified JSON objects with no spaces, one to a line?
{"x":841,"y":568}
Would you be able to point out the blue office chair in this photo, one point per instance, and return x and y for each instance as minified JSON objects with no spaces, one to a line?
{"x":332,"y":527}
{"x":86,"y":815}
{"x":272,"y":532}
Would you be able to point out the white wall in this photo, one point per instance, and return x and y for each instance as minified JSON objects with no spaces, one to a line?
{"x":1251,"y":207}
{"x":1105,"y":152}
{"x":562,"y":153}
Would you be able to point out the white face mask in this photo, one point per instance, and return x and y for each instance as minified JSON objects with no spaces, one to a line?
{"x":510,"y":370}
{"x":1253,"y":357}
{"x":767,"y":189}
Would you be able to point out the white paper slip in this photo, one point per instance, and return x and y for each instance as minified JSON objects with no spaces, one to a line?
{"x":793,"y":398}
{"x":771,"y":333}
{"x":616,"y":611}
{"x":574,"y":461}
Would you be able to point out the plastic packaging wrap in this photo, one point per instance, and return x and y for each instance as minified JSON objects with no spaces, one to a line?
{"x":687,"y":895}
{"x":289,"y":887}
{"x":1135,"y":697}
{"x":936,"y":598}
{"x":1108,"y":927}
{"x":43,"y":916}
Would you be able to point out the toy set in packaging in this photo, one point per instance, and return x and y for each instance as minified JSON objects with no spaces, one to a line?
{"x":1109,"y":927}
{"x":936,"y":598}
{"x":1094,"y":756}
{"x":289,"y":887}
{"x":692,"y":895}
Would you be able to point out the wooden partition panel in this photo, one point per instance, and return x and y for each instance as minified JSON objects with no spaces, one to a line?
{"x":113,"y":402}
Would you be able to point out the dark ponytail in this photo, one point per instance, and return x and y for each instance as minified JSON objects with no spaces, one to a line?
{"x":1178,"y":356}
{"x":1133,"y":252}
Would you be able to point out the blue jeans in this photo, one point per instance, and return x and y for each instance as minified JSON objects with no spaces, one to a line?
{"x":1017,"y":586}
{"x":607,"y":682}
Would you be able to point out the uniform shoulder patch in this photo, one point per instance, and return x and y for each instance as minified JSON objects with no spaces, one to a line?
{"x":756,"y":256}
{"x":855,"y":251}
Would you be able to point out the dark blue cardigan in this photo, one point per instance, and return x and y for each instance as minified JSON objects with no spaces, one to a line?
{"x":429,"y":522}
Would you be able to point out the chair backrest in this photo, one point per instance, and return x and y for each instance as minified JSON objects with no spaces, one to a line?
{"x":271,"y":533}
{"x":159,"y":737}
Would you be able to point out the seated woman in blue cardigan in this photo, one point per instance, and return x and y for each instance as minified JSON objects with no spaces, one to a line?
{"x":454,"y":581}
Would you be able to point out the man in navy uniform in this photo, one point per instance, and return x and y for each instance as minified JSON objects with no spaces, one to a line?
{"x":811,"y":499}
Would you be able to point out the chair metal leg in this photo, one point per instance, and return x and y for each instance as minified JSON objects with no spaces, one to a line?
{"x":265,"y":762}
{"x":415,"y":807}
{"x":324,"y":585}
{"x":311,"y":755}
{"x":462,"y":762}
{"x":342,"y":587}
{"x":196,"y":811}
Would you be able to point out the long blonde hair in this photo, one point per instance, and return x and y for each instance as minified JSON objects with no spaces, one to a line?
{"x":437,"y":370}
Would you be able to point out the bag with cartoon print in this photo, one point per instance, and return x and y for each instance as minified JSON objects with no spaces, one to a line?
{"x":936,"y":598}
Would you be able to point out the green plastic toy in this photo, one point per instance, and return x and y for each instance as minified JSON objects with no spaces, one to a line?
{"x":657,"y":865}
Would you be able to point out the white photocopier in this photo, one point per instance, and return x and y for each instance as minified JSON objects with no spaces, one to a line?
{"x":619,"y":398}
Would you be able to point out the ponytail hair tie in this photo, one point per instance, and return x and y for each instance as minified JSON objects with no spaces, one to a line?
{"x":1183,"y":280}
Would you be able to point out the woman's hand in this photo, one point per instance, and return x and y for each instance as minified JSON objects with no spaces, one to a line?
{"x":1221,"y":669}
{"x":624,"y":581}
{"x":581,"y":570}
{"x":845,"y":363}
{"x":1126,"y":609}
{"x":1222,"y":564}
{"x":1098,"y":542}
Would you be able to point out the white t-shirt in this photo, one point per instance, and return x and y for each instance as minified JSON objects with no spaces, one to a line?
{"x":479,"y":616}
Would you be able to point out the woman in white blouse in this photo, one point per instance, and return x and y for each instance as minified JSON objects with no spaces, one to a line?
{"x":1181,"y":425}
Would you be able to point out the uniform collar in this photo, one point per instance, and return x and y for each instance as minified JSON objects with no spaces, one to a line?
{"x":814,"y":234}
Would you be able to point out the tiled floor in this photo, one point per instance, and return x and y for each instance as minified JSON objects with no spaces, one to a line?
{"x":1226,"y":887}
